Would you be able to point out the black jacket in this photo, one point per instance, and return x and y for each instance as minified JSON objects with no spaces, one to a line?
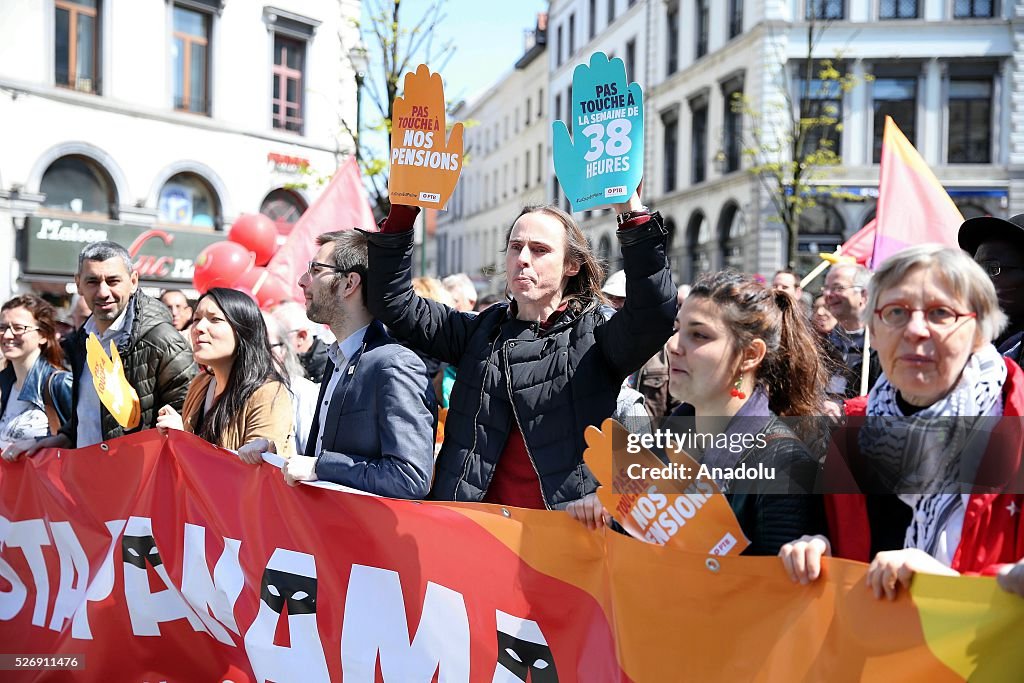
{"x":773,"y":513}
{"x":314,"y":360}
{"x":550,"y":383}
{"x":157,"y":363}
{"x":848,"y":355}
{"x":782,"y":506}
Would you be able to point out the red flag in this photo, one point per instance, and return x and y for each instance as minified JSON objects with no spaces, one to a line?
{"x":913,"y":207}
{"x":861,"y":244}
{"x":343,"y":205}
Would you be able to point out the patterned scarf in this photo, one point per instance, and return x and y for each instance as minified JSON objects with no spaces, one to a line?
{"x":929,"y":457}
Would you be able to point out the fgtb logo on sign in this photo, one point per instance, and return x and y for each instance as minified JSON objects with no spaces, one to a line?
{"x":430,"y":197}
{"x":617,"y":191}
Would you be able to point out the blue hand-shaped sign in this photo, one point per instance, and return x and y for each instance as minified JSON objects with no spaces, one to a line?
{"x":605,"y":162}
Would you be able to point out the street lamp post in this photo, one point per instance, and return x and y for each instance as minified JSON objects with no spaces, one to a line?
{"x":360,"y":63}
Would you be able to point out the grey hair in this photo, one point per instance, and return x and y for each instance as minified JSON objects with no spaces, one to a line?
{"x":967,"y":281}
{"x":104,"y":251}
{"x":861,"y":276}
{"x":461,"y":281}
{"x":292,"y":366}
{"x":292,"y":316}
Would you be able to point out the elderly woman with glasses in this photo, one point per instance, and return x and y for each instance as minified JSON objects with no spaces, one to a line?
{"x":933,"y":432}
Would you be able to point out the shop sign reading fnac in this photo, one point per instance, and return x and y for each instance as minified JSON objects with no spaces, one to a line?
{"x":158,"y":254}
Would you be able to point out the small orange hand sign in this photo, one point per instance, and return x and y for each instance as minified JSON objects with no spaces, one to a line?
{"x":658,"y":503}
{"x":424,"y":168}
{"x":112,"y":386}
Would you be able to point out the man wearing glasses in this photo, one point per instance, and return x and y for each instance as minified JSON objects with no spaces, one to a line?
{"x":375,"y":417}
{"x":846,"y":297}
{"x":998,"y":246}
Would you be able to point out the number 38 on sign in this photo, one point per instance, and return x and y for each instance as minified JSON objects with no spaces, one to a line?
{"x":604,"y":159}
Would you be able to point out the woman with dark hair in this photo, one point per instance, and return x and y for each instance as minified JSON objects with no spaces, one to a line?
{"x":241,"y":395}
{"x":35,"y":391}
{"x":532,"y":374}
{"x":743,"y":356}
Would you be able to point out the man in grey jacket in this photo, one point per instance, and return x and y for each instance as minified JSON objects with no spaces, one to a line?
{"x":375,"y":420}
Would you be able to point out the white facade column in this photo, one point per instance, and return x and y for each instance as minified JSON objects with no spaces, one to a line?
{"x":935,"y":10}
{"x":932,"y":126}
{"x":1013,"y":140}
{"x":855,"y":125}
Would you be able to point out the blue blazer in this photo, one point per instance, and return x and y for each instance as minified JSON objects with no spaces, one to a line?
{"x":379,"y":432}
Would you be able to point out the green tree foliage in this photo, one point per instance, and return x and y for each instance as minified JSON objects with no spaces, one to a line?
{"x":397,"y":42}
{"x":790,"y":142}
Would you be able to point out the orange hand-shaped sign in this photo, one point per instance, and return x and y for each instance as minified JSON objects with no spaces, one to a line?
{"x":424,"y":167}
{"x":665,"y":504}
{"x":112,"y":386}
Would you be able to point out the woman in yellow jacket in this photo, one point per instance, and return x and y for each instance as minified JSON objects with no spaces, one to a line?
{"x":241,"y":395}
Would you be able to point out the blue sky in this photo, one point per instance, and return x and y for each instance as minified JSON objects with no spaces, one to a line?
{"x":488,"y":38}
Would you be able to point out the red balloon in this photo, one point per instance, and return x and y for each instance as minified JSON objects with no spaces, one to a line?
{"x":257,"y":233}
{"x":272,"y":292}
{"x":252,"y":278}
{"x":268,"y":289}
{"x":220,"y":265}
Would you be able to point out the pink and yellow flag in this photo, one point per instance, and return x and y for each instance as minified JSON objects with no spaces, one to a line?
{"x":913,"y":207}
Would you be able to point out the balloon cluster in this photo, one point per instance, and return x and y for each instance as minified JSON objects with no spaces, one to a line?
{"x":240,"y":262}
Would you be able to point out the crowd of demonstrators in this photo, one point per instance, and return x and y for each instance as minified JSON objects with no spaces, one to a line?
{"x":563,"y":351}
{"x":157,"y":362}
{"x":533,"y":373}
{"x":846,"y":295}
{"x":240,"y":395}
{"x":304,"y":392}
{"x":933,"y":314}
{"x":998,"y":245}
{"x":305,"y":336}
{"x":370,"y":380}
{"x":35,"y":390}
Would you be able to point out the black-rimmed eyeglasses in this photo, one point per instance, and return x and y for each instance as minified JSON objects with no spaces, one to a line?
{"x":314,"y":268}
{"x":16,"y":329}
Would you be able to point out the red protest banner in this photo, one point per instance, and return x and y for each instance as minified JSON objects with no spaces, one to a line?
{"x":158,"y":557}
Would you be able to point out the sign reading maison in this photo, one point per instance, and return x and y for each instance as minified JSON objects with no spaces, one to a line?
{"x":159,"y":253}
